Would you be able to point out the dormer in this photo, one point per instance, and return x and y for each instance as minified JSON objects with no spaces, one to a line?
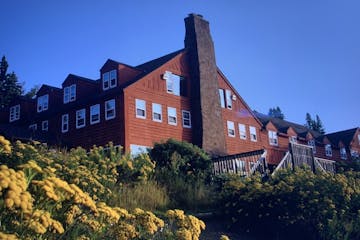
{"x":272,"y":134}
{"x":114,"y":74}
{"x":45,"y":96}
{"x":292,"y":135}
{"x":76,"y":87}
{"x":20,"y":110}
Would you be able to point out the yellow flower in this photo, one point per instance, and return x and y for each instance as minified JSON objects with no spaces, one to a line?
{"x":5,"y":236}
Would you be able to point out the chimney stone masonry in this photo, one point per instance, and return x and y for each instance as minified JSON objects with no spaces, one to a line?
{"x":208,"y":126}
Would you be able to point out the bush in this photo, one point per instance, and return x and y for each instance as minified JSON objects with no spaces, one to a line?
{"x":55,"y":194}
{"x":298,"y":203}
{"x":184,"y":170}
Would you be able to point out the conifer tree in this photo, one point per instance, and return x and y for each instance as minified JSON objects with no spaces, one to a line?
{"x":314,"y":124}
{"x":9,"y":85}
{"x":276,"y":112}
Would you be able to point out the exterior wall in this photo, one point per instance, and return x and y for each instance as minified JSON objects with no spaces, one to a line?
{"x":97,"y":134}
{"x":275,"y":152}
{"x":239,"y":114}
{"x":152,"y":88}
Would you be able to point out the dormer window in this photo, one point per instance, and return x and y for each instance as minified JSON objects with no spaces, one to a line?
{"x":70,"y":93}
{"x":328,"y":150}
{"x":14,"y":113}
{"x":343,"y":153}
{"x":109,"y":80}
{"x":311,"y":143}
{"x":293,"y":139}
{"x":175,"y":84}
{"x":43,"y":103}
{"x":273,"y":138}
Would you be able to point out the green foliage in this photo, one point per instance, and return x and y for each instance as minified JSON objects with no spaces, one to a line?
{"x":315,"y":205}
{"x":9,"y":86}
{"x":314,"y":124}
{"x":182,"y":159}
{"x":137,"y":169}
{"x":276,"y":113}
{"x":184,"y":170}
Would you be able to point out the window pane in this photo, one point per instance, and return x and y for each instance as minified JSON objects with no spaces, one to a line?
{"x":157,"y":112}
{"x":140,"y":108}
{"x":172,"y":116}
{"x":228,"y":99}
{"x":110,"y":109}
{"x":186,"y":119}
{"x":222,"y":98}
{"x":231,"y":128}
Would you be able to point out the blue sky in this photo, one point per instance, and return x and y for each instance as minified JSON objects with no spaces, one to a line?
{"x":303,"y":56}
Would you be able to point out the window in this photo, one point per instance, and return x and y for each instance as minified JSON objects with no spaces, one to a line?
{"x":354,"y":153}
{"x":228,"y":99}
{"x":65,"y":123}
{"x":172,"y":120}
{"x":359,"y":138}
{"x":293,"y":139}
{"x":109,"y":80}
{"x":80,"y":118}
{"x":231,"y":128}
{"x":175,"y":84}
{"x":253,"y":136}
{"x":186,"y":119}
{"x":242,"y":131}
{"x":70,"y":93}
{"x":273,"y":138}
{"x":140,"y":108}
{"x":311,"y":143}
{"x":95,"y":114}
{"x":343,"y":153}
{"x":33,"y":127}
{"x":43,"y":103}
{"x":14,"y":113}
{"x":110,"y":109}
{"x":136,"y":150}
{"x":328,"y":151}
{"x":45,"y":125}
{"x":156,"y":112}
{"x":222,"y":98}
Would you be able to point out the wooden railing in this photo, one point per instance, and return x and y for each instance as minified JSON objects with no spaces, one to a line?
{"x":243,"y":164}
{"x":299,"y":155}
{"x":325,"y":165}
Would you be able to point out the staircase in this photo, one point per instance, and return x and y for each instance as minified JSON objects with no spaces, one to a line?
{"x":299,"y":155}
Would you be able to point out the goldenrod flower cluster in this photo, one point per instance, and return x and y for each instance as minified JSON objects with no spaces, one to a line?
{"x":189,"y":227}
{"x":41,"y":220}
{"x":73,"y":212}
{"x":14,"y":183}
{"x":148,"y":220}
{"x":32,"y":165}
{"x":5,"y":236}
{"x":5,"y":146}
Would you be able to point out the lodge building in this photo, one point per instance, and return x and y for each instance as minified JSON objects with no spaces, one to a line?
{"x":182,"y":95}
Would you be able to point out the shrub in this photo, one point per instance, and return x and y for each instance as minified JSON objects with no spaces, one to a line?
{"x":315,"y":205}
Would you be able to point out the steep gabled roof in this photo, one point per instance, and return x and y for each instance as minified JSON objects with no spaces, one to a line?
{"x":152,"y":65}
{"x":345,"y":137}
{"x":79,"y":78}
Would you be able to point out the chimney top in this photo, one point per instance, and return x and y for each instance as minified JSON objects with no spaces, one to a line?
{"x":195,"y":15}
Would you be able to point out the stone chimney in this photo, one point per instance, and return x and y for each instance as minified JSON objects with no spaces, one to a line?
{"x":208,"y":127}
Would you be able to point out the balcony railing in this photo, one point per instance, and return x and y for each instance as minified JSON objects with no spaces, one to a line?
{"x":243,"y":164}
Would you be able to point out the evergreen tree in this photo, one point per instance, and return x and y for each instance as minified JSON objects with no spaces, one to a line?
{"x":276,"y":112}
{"x":9,"y":85}
{"x":314,"y":124}
{"x":32,"y":92}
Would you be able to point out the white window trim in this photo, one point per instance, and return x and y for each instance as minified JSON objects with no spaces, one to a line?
{"x":70,"y":93}
{"x":312,"y":144}
{"x":230,"y":128}
{"x":33,"y":127}
{"x":45,"y":125}
{"x":113,"y":104}
{"x":140,"y":104}
{"x":64,"y":123}
{"x":156,"y":109}
{"x":253,"y":134}
{"x":273,"y":138}
{"x":78,"y":112}
{"x":43,"y":103}
{"x":14,"y":113}
{"x":242,"y":131}
{"x":94,"y":110}
{"x":343,"y":153}
{"x":222,"y":97}
{"x":328,"y":150}
{"x":183,"y":119}
{"x":293,"y":139}
{"x":228,"y":99}
{"x":169,"y":110}
{"x":107,"y":77}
